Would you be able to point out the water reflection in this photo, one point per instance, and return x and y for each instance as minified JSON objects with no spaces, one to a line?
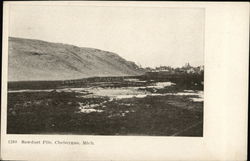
{"x":118,"y":93}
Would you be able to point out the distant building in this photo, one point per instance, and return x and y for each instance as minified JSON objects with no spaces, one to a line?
{"x":191,"y":70}
{"x":187,"y":68}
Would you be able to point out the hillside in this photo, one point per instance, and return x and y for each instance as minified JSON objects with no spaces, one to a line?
{"x":39,"y":60}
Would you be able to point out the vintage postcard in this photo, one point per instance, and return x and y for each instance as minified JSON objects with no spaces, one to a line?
{"x":123,"y":81}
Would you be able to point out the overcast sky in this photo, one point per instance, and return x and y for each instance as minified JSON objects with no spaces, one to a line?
{"x":148,"y":36}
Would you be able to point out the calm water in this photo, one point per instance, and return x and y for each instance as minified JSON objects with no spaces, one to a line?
{"x":121,"y":93}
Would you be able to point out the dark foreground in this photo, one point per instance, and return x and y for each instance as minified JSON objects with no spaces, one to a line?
{"x":160,"y":112}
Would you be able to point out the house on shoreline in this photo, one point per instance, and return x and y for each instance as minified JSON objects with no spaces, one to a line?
{"x":167,"y":70}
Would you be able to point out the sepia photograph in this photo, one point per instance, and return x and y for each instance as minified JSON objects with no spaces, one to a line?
{"x":105,"y":71}
{"x":117,"y":80}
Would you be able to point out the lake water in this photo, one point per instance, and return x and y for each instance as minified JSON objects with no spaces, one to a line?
{"x":121,"y":93}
